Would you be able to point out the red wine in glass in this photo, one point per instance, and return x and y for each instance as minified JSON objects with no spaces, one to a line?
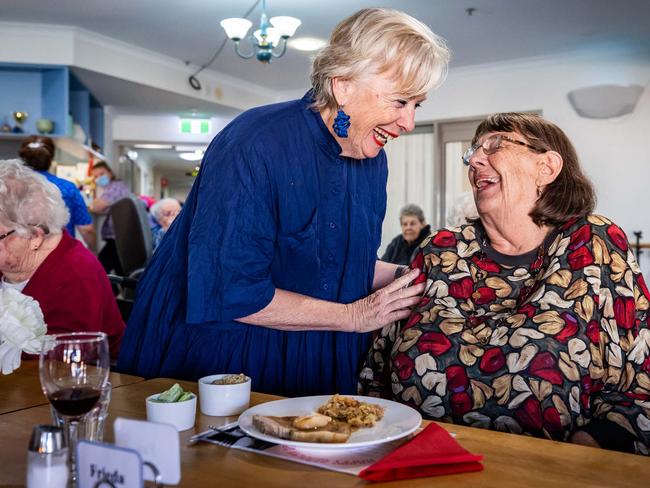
{"x":74,"y":401}
{"x":73,"y":368}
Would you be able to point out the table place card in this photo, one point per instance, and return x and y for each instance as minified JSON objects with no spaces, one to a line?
{"x":158,"y":444}
{"x":100,"y":464}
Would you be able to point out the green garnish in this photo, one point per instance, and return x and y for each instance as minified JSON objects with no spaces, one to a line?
{"x":174,"y":394}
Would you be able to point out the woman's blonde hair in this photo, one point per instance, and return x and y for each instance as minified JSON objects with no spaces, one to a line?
{"x":28,"y":200}
{"x":380,"y":40}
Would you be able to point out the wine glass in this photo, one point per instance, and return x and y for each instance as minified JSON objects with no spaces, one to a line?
{"x":73,"y":368}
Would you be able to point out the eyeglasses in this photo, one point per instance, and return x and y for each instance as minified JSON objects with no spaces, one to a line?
{"x":7,"y":234}
{"x":492,"y":144}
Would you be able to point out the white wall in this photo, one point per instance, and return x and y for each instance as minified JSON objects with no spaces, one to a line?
{"x":147,"y":181}
{"x":164,"y":128}
{"x":615,"y":153}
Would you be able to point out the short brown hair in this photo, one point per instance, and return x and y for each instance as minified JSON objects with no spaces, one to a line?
{"x":37,"y":152}
{"x":571,"y":194}
{"x":102,"y":164}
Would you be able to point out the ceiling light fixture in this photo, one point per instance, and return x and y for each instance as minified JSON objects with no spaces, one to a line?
{"x":307,"y":43}
{"x":192,"y":156}
{"x":152,"y":146}
{"x":272,"y":33}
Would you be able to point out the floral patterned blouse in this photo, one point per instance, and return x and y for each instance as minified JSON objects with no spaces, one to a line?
{"x":545,"y":343}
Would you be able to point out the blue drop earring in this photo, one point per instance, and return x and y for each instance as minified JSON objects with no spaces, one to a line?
{"x":341,"y":123}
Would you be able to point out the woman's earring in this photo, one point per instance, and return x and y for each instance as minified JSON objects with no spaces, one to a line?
{"x":539,"y":191}
{"x":341,"y":123}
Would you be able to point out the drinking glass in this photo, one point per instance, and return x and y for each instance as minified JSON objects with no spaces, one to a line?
{"x":74,"y":368}
{"x":91,"y":425}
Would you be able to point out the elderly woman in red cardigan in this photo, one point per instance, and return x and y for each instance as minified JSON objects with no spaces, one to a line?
{"x":41,"y":260}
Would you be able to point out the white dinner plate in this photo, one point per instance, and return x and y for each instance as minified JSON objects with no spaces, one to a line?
{"x":399,"y":421}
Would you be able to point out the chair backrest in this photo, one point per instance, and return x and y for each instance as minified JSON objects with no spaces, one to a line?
{"x":132,"y":234}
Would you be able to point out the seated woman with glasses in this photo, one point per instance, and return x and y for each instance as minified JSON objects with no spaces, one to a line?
{"x":40,"y":259}
{"x":534,"y":319}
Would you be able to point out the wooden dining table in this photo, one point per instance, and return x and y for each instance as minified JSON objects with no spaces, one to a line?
{"x":509,"y":460}
{"x":22,"y":388}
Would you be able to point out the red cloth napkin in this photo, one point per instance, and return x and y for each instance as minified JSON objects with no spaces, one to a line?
{"x":432,"y":452}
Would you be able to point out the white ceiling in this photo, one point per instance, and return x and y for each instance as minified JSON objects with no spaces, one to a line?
{"x":497,"y":30}
{"x":168,"y":158}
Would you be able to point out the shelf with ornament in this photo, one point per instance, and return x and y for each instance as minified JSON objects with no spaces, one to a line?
{"x":49,"y":99}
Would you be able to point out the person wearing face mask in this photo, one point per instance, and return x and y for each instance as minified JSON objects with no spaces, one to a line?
{"x":271,"y":268}
{"x":536,"y":318}
{"x":109,"y":191}
{"x":414,"y":231}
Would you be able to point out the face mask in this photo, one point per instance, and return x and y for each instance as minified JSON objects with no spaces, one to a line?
{"x":103,"y":180}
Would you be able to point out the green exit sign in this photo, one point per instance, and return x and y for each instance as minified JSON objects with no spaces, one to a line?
{"x":195,"y":126}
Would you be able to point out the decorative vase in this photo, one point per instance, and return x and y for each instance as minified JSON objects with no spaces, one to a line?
{"x":45,"y":126}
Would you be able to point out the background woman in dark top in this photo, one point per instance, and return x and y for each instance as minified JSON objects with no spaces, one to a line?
{"x":414,"y":231}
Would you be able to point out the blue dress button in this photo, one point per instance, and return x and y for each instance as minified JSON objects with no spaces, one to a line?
{"x":330,"y":257}
{"x":332,"y":225}
{"x":325,"y":286}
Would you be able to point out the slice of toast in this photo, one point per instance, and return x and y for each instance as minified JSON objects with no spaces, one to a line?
{"x":283,"y":427}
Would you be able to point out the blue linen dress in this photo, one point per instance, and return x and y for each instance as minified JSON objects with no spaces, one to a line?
{"x":72,"y":198}
{"x":274,"y":205}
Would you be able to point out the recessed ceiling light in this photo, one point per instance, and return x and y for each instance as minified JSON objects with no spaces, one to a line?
{"x":191,"y":156}
{"x":153,"y":146}
{"x":307,"y":43}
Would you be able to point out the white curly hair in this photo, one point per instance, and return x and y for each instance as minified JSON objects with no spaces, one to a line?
{"x":28,"y":200}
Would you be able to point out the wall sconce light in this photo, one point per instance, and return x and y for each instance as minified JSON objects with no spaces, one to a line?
{"x":605,"y":101}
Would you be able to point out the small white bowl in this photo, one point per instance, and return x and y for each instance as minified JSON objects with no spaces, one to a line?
{"x":179,"y":414}
{"x":223,"y":400}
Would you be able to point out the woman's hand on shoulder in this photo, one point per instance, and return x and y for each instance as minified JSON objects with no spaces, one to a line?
{"x":388,"y":304}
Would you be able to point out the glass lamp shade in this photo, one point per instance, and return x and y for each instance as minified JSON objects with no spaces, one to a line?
{"x":286,"y":26}
{"x":272,"y":36}
{"x":605,"y":101}
{"x":235,"y":27}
